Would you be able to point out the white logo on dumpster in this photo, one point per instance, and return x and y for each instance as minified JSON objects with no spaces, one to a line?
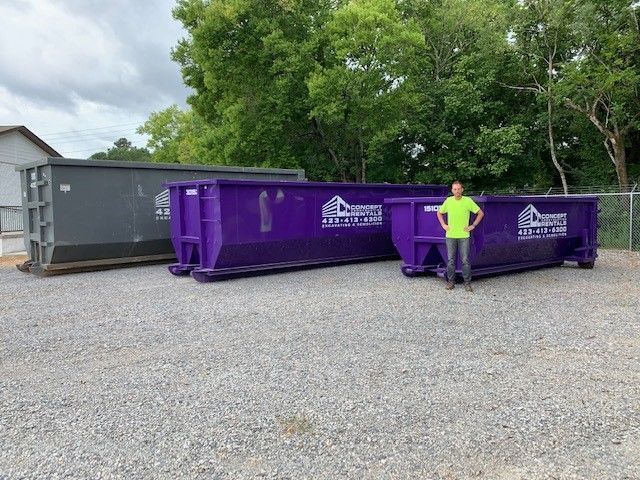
{"x":533,"y":224}
{"x":162,"y":206}
{"x":338,"y":213}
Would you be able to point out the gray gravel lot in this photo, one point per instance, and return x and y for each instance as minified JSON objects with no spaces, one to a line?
{"x":342,"y":372}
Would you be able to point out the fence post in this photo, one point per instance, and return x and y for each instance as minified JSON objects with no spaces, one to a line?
{"x":631,"y":216}
{"x":548,"y":192}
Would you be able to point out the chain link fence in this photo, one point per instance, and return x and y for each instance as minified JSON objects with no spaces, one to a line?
{"x":619,"y":221}
{"x":618,"y":218}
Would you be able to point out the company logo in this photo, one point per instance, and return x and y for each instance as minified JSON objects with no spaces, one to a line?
{"x":336,"y":207}
{"x":338,"y":213}
{"x":162,"y":206}
{"x":533,"y":224}
{"x":529,"y":218}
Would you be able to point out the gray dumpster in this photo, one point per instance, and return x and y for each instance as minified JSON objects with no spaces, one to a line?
{"x":90,"y":214}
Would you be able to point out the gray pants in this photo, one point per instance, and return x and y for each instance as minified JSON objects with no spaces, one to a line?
{"x":453,"y":246}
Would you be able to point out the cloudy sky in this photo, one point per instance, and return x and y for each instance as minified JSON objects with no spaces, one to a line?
{"x":82,"y":73}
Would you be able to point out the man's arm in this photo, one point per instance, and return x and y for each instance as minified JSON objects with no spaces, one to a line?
{"x":444,"y":226}
{"x":478,"y":219}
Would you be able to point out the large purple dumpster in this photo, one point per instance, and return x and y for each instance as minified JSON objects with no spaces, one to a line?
{"x":223,"y":228}
{"x":516,"y":233}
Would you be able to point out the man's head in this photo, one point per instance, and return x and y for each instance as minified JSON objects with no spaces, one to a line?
{"x":457,"y":189}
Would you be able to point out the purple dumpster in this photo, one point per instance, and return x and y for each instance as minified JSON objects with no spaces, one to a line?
{"x":517,"y":233}
{"x":225,"y":228}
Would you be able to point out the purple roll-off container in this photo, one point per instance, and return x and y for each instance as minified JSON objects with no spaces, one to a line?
{"x":516,"y":233}
{"x":225,"y":228}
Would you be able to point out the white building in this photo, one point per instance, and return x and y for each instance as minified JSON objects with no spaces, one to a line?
{"x":18,"y":145}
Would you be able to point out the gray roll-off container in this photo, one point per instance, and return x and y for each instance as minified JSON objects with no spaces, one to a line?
{"x":92,"y":214}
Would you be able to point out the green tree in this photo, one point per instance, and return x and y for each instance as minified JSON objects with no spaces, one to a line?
{"x":247,"y":61}
{"x":177,"y":136}
{"x":408,"y":90}
{"x":543,"y":41}
{"x":359,"y":95}
{"x":602,"y":80}
{"x":123,"y":150}
{"x":464,"y":124}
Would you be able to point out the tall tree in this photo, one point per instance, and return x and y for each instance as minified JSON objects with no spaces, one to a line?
{"x":408,"y":90}
{"x":463,"y":124}
{"x":543,"y":40}
{"x":247,"y":61}
{"x":360,"y":93}
{"x":603,"y":78}
{"x":177,"y":136}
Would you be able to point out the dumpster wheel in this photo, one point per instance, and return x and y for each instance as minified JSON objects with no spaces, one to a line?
{"x":408,"y":271}
{"x":586,"y":265}
{"x":178,"y":271}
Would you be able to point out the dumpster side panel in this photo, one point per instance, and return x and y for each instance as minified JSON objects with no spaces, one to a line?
{"x":83,"y":213}
{"x":517,"y":232}
{"x":185,"y":203}
{"x":38,"y":212}
{"x":106,"y":230}
{"x":531,"y":231}
{"x":267,"y":225}
{"x":278,"y":224}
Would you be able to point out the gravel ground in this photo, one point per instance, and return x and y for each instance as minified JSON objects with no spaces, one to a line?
{"x":343,"y":372}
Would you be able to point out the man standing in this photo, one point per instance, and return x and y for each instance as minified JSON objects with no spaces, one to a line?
{"x":458,"y":208}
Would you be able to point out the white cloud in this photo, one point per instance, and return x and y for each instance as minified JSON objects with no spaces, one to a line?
{"x":78,"y":65}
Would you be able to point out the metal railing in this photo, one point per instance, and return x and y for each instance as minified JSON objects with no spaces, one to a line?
{"x":558,"y":191}
{"x":618,"y":216}
{"x":10,"y":219}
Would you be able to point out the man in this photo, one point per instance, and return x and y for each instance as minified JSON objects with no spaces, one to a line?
{"x":457,"y":227}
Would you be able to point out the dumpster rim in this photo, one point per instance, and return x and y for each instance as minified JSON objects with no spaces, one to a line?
{"x":232,"y":181}
{"x":497,"y":198}
{"x":79,"y":162}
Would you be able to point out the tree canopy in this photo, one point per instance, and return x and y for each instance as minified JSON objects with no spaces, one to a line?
{"x":123,"y":150}
{"x":499,"y":93}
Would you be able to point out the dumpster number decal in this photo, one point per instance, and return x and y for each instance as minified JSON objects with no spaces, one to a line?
{"x":533,"y":224}
{"x":337,"y":213}
{"x":162,"y":206}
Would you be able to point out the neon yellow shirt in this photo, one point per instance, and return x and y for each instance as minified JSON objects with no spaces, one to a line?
{"x":458,"y":215}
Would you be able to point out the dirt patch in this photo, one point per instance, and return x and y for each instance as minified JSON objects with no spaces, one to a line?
{"x":10,"y":261}
{"x":295,"y":425}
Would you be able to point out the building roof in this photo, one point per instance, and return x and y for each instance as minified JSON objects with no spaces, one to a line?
{"x":4,"y":129}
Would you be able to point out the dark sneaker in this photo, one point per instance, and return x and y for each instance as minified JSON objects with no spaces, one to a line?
{"x":449,"y":286}
{"x":468,"y":287}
